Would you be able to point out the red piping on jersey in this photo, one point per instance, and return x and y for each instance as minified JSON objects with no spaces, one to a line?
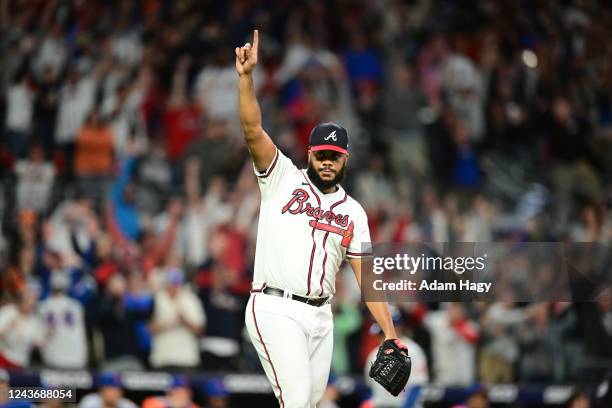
{"x":324,"y":261}
{"x":272,"y":166}
{"x":312,"y":188}
{"x":314,"y":247}
{"x":314,"y":243}
{"x":267,"y":355}
{"x":325,"y":240}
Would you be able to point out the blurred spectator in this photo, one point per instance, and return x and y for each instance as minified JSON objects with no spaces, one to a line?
{"x":178,"y":396}
{"x":35,"y":179}
{"x":19,"y":105}
{"x":76,"y":100}
{"x":224,"y":314}
{"x":182,"y":117}
{"x":463,"y":85}
{"x":178,"y":320}
{"x":403,"y":102}
{"x":217,"y":395}
{"x":215,"y":150}
{"x":591,"y":225}
{"x":478,"y":223}
{"x":538,"y":359}
{"x":466,"y":169}
{"x":126,"y":42}
{"x":373,"y":185}
{"x":154,"y":177}
{"x":122,"y":109}
{"x":500,"y":349}
{"x":578,"y":400}
{"x":20,"y":331}
{"x":436,"y":226}
{"x":4,"y":387}
{"x":123,"y":217}
{"x":21,"y":255}
{"x":196,"y":223}
{"x":347,"y":321}
{"x":45,"y":109}
{"x":215,"y":87}
{"x":454,"y":339}
{"x":52,"y":52}
{"x":121,"y":315}
{"x":569,"y":140}
{"x":109,"y":395}
{"x":331,"y":394}
{"x":65,"y":345}
{"x":476,"y":399}
{"x":94,"y":156}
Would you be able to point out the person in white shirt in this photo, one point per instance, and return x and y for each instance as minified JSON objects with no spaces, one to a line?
{"x":453,"y":343}
{"x":215,"y":90}
{"x":177,"y":322}
{"x":19,"y":108}
{"x":20,"y":331}
{"x":77,"y":98}
{"x":122,"y":108}
{"x":66,"y":344}
{"x":35,"y":179}
{"x":308,"y":226}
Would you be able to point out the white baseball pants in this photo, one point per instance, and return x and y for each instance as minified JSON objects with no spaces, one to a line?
{"x":294,"y":342}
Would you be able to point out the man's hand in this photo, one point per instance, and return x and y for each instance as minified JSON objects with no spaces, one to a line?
{"x":246,"y":57}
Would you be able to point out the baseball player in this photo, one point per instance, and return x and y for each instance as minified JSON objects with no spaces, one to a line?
{"x":308,"y":225}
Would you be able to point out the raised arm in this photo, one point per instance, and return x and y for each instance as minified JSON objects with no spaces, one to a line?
{"x":260,"y":145}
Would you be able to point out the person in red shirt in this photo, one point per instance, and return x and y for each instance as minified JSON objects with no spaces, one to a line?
{"x":182,"y":117}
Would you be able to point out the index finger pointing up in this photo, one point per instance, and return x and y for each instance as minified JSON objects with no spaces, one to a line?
{"x":255,"y":40}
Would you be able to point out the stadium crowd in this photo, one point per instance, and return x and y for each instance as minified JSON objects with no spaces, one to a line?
{"x":129,"y":206}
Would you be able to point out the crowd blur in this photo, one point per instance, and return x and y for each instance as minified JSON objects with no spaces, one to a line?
{"x":129,"y":207}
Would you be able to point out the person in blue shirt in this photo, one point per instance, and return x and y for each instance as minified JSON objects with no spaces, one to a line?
{"x":122,"y":207}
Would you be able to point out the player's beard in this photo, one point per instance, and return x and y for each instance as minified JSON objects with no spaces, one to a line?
{"x":321,"y":184}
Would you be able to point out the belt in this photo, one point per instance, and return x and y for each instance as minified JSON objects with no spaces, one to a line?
{"x":318,"y":302}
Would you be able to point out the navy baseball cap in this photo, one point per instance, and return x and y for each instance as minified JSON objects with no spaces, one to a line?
{"x":109,"y":380}
{"x":215,"y":388}
{"x":328,"y":136}
{"x":179,"y":381}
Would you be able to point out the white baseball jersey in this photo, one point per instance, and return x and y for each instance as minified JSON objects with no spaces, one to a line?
{"x":304,"y":235}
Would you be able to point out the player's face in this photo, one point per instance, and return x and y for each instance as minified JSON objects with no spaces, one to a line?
{"x":326,"y":168}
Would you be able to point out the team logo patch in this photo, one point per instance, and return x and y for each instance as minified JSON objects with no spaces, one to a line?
{"x":331,"y":136}
{"x":388,"y":351}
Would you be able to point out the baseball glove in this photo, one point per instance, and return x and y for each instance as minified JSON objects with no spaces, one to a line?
{"x":391,"y":368}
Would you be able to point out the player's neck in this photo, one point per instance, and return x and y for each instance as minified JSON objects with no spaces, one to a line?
{"x":330,"y":190}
